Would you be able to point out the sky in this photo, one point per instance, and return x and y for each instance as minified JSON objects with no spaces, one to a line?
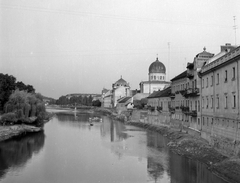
{"x":82,"y":46}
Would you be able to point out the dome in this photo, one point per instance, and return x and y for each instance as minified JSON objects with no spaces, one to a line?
{"x":157,"y":67}
{"x":121,"y":82}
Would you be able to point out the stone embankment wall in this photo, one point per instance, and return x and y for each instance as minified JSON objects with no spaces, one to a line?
{"x":215,"y":137}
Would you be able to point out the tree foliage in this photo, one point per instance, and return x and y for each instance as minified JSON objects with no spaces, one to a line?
{"x":8,"y":85}
{"x":25,"y":106}
{"x":75,"y":100}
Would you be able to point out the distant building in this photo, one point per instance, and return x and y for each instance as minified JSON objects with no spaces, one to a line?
{"x":156,"y":78}
{"x":106,"y":98}
{"x":160,"y":99}
{"x":124,"y":104}
{"x":68,"y":96}
{"x":179,"y":104}
{"x":120,"y":89}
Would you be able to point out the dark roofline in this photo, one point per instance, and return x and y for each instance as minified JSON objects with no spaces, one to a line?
{"x":163,"y":93}
{"x":180,"y":76}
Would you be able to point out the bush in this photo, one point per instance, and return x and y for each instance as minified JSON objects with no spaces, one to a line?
{"x":9,"y":118}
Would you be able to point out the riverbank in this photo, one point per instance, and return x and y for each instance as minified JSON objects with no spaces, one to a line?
{"x":7,"y":132}
{"x":197,"y":148}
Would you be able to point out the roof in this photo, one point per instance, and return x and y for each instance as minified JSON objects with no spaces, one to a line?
{"x":140,"y":96}
{"x":163,"y":93}
{"x":121,"y":81}
{"x":124,"y":100}
{"x":104,"y":90}
{"x":157,"y":67}
{"x":205,"y":54}
{"x":180,"y":76}
{"x":157,"y":82}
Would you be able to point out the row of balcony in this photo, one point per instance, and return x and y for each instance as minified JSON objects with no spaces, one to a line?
{"x":190,"y":92}
{"x":185,"y":110}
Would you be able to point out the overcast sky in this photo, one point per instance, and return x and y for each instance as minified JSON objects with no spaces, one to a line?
{"x":81,"y":46}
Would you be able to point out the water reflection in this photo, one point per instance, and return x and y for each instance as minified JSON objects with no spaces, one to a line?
{"x":184,"y":170}
{"x":16,"y":152}
{"x":157,"y":165}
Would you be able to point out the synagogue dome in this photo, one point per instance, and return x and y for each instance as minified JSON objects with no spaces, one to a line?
{"x":157,"y":67}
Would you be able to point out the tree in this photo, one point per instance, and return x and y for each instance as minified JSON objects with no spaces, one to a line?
{"x":21,"y":86}
{"x":7,"y":86}
{"x":25,"y":105}
{"x":96,"y":103}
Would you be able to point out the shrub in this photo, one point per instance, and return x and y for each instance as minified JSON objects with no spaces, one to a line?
{"x":9,"y":118}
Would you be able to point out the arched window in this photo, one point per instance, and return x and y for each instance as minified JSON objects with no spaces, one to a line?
{"x":160,"y":77}
{"x":154,"y":77}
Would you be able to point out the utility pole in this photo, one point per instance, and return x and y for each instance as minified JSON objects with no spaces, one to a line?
{"x":168,"y":60}
{"x":235,"y":29}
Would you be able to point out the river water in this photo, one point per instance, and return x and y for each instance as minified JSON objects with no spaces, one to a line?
{"x":69,"y":150}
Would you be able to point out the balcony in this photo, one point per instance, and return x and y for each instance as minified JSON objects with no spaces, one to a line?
{"x":192,"y":92}
{"x":185,"y":110}
{"x":171,"y":109}
{"x":193,"y":113}
{"x":172,"y":95}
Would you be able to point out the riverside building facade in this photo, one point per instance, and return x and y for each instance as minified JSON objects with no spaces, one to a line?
{"x":220,"y":90}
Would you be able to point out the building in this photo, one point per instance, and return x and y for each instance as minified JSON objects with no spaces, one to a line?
{"x":120,"y":89}
{"x":193,"y":88}
{"x":156,"y":78}
{"x":106,"y":98}
{"x":124,"y":104}
{"x":179,"y":105}
{"x":220,"y":92}
{"x":159,"y":103}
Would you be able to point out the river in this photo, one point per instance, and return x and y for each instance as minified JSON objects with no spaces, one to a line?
{"x":69,"y":150}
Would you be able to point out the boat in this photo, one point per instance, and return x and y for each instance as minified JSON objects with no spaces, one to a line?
{"x":95,"y":119}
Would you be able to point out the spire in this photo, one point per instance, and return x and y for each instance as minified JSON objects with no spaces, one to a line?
{"x":204,"y":49}
{"x":157,"y":58}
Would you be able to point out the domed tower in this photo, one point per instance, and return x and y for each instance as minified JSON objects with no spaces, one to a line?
{"x":120,"y":89}
{"x":156,"y":78}
{"x":157,"y":71}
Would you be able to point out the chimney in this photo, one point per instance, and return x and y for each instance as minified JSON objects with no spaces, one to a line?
{"x":227,"y":47}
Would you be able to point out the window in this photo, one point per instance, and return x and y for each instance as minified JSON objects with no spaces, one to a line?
{"x":207,"y":103}
{"x":207,"y":83}
{"x":225,"y":76}
{"x":202,"y":102}
{"x":203,"y":121}
{"x":198,"y":106}
{"x":160,"y":77}
{"x":234,"y":100}
{"x":195,"y":83}
{"x":211,"y":80}
{"x":233,"y":71}
{"x":207,"y":121}
{"x":212,"y":102}
{"x":226,"y":101}
{"x":217,"y":101}
{"x":202,"y":83}
{"x":217,"y":79}
{"x":154,"y":77}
